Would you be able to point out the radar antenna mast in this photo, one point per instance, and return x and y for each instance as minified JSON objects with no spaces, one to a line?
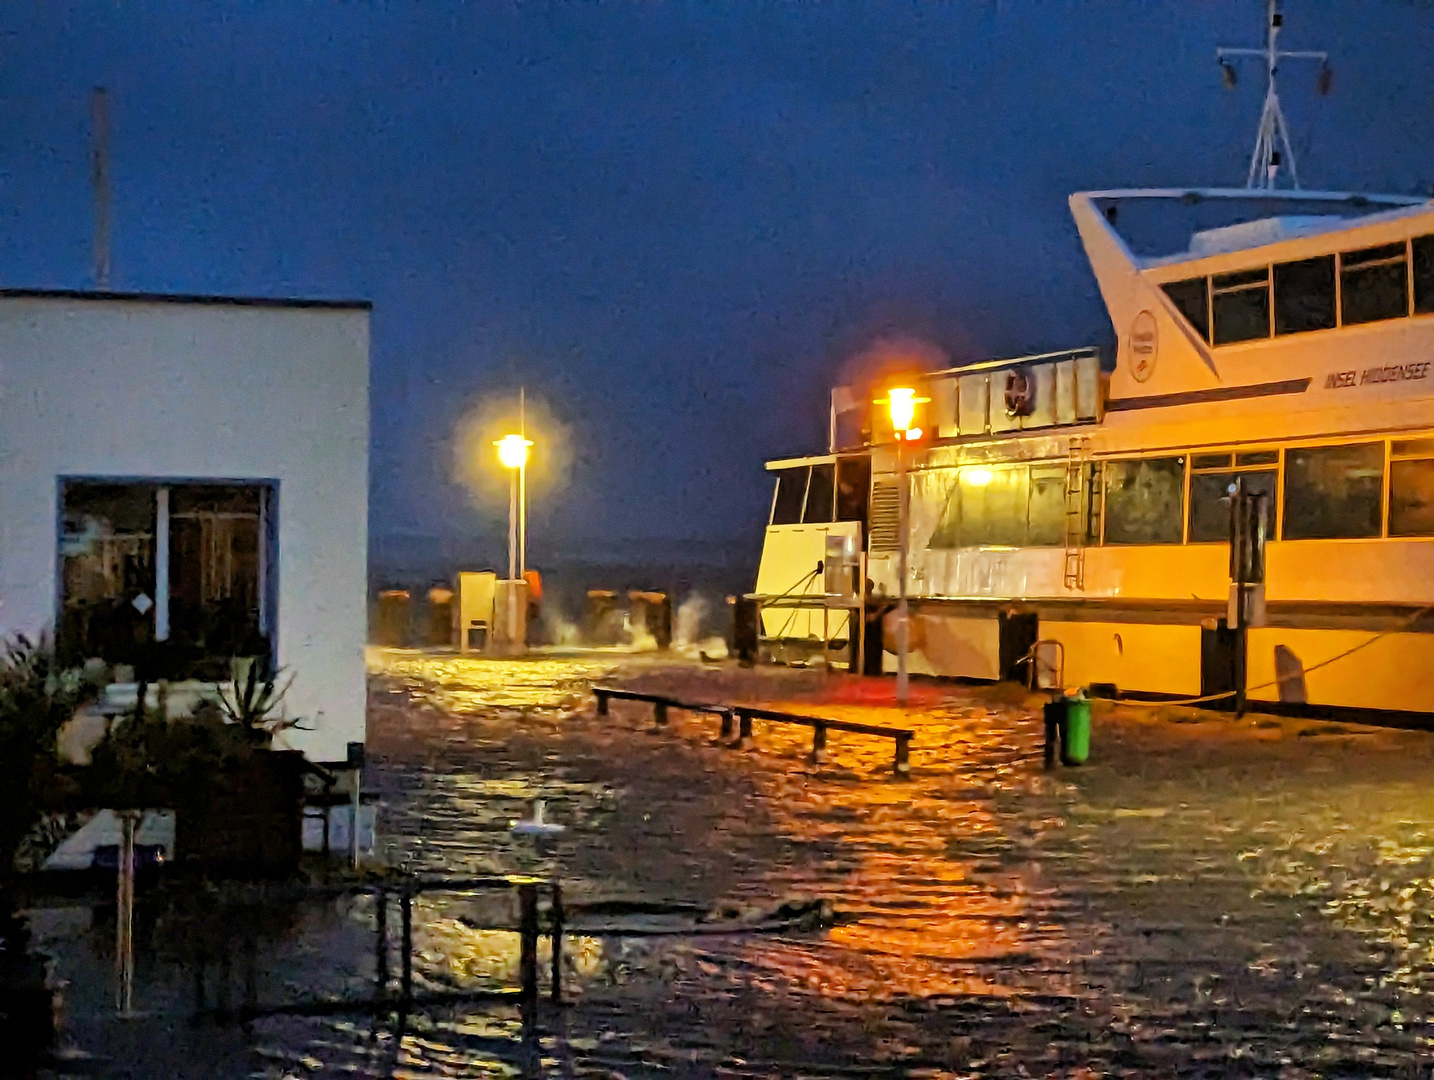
{"x":1272,"y":144}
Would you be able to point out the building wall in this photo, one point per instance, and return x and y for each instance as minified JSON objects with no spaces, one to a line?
{"x":175,"y":390}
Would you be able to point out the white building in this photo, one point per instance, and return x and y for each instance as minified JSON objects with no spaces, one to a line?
{"x":184,"y":479}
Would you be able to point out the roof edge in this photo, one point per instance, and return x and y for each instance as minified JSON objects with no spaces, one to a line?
{"x":184,"y":298}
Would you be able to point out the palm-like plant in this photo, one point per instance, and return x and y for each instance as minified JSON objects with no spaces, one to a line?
{"x":255,"y":703}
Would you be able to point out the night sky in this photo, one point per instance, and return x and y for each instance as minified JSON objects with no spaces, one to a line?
{"x":675,"y":223}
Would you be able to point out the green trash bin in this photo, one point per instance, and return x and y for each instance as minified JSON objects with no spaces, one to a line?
{"x":1075,"y":731}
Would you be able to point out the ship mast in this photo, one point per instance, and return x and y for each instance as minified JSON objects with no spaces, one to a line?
{"x":1272,"y":144}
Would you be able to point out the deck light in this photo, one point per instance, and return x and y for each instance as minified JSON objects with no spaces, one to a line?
{"x":901,"y":402}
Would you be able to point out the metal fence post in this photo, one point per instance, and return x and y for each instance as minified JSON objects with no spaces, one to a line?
{"x":558,"y":918}
{"x":381,"y":947}
{"x":528,"y":955}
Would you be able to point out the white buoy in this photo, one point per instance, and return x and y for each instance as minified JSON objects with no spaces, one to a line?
{"x":536,"y":826}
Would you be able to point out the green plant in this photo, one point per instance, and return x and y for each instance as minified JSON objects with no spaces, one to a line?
{"x":37,"y":697}
{"x":255,"y":704}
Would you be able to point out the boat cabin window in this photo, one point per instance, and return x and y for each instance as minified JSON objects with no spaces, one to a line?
{"x":1374,"y":284}
{"x":791,"y":493}
{"x":1192,"y":298}
{"x":1210,"y":499}
{"x":1411,"y":488}
{"x":1241,"y":303}
{"x":853,"y":488}
{"x":820,"y":491}
{"x":1333,"y":492}
{"x":1304,"y":295}
{"x":1145,"y":501}
{"x":1423,"y":267}
{"x":1046,"y":507}
{"x":1003,"y":506}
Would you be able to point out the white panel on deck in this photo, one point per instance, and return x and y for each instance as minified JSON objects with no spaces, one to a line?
{"x":1087,"y":387}
{"x":1043,"y":386}
{"x":943,"y":409}
{"x":973,"y":395}
{"x":1066,"y":392}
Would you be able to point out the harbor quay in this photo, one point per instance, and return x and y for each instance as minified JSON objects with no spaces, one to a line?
{"x":1204,"y":896}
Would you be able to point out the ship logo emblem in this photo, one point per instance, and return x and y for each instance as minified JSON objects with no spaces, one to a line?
{"x":1144,"y":346}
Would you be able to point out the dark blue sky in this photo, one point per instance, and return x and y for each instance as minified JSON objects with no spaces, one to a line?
{"x":673,"y":221}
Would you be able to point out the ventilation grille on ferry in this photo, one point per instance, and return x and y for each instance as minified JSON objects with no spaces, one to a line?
{"x":884,"y":517}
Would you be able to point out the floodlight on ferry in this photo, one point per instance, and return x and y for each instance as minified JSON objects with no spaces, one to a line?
{"x":977,"y":477}
{"x":513,"y":450}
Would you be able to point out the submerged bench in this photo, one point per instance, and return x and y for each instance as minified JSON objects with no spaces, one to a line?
{"x":745,"y":714}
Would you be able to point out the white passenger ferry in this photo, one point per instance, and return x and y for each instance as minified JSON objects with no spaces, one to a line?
{"x":1275,"y":356}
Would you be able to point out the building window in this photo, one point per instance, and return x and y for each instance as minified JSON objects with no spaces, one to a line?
{"x":182,"y":610}
{"x":1241,"y":304}
{"x":1145,"y":501}
{"x":1192,"y":298}
{"x":1333,"y":492}
{"x":1374,"y":284}
{"x":791,"y":493}
{"x":107,"y":593}
{"x":820,"y":490}
{"x":1423,"y":252}
{"x":1304,"y":295}
{"x":1210,"y":500}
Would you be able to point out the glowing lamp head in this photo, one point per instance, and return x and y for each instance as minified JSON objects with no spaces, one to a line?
{"x":513,"y":450}
{"x":901,"y":401}
{"x":977,"y":477}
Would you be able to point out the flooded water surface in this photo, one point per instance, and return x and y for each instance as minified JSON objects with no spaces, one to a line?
{"x":1204,"y":898}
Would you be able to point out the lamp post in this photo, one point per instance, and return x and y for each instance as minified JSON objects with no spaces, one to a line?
{"x":513,"y":453}
{"x":901,"y":401}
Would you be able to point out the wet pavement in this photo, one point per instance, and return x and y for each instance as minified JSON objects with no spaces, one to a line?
{"x":1204,"y":898}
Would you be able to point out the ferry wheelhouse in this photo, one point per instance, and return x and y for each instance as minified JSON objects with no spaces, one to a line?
{"x":1271,"y":383}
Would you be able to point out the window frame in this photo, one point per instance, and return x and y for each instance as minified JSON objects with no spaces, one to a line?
{"x":1118,"y":459}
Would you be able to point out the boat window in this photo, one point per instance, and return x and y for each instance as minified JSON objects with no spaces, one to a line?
{"x":1145,"y":501}
{"x":1210,"y":496}
{"x":1333,"y":491}
{"x":1241,"y":304}
{"x":1412,"y":448}
{"x":1423,"y":251}
{"x":986,"y":506}
{"x":853,"y":488}
{"x":1304,"y":295}
{"x":1046,"y":507}
{"x":791,"y":491}
{"x":819,"y":495}
{"x":1210,"y":461}
{"x":1258,"y":457}
{"x":1192,"y":298}
{"x":1374,"y":284}
{"x":1411,"y":497}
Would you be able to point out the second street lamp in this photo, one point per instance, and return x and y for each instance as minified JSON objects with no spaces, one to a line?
{"x":513,"y":453}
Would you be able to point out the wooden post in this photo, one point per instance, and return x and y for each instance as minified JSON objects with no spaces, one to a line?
{"x":124,"y":915}
{"x":744,"y":730}
{"x":601,"y":702}
{"x":659,"y":712}
{"x":528,"y":956}
{"x":726,"y":732}
{"x":558,"y":917}
{"x":819,"y":743}
{"x":902,"y":765}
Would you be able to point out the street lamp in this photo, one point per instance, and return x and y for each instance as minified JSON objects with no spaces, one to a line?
{"x":901,"y":402}
{"x":513,"y":453}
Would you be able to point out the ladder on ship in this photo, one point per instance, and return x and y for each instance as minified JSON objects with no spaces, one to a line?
{"x":1081,"y":504}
